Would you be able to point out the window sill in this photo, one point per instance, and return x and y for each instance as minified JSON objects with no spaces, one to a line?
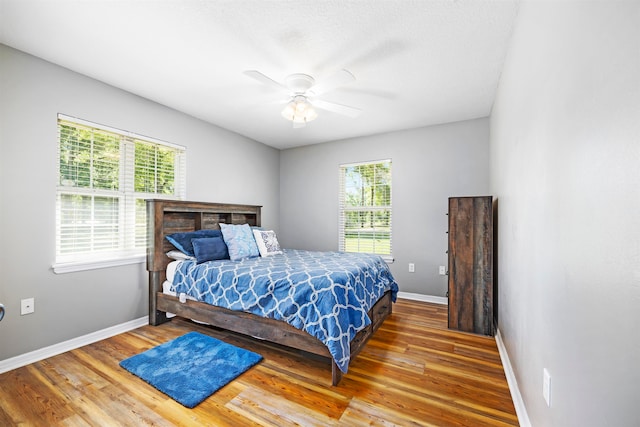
{"x":71,"y":267}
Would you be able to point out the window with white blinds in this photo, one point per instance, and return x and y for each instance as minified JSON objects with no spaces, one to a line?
{"x":365,"y":208}
{"x":104,"y":177}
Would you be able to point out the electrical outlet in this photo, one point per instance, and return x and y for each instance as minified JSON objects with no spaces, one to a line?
{"x":546,"y":386}
{"x":442,"y":270}
{"x":412,"y":267}
{"x":27,"y":306}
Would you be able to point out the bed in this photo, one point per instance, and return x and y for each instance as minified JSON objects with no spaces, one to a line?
{"x":272,"y":309}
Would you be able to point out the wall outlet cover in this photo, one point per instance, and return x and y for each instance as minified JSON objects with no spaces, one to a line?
{"x":546,"y":386}
{"x":27,"y":306}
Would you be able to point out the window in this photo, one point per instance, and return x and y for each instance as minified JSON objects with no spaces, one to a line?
{"x":365,"y":208}
{"x":104,"y":177}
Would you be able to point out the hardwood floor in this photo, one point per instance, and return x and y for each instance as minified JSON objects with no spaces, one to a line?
{"x":413,"y":372}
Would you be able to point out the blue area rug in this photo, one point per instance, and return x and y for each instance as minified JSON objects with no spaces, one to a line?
{"x":192,"y":367}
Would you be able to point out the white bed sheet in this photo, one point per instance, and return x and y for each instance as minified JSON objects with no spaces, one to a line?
{"x":171,"y":270}
{"x":166,"y":285}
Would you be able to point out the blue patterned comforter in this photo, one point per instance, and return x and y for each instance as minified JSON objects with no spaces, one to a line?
{"x":326,"y":294}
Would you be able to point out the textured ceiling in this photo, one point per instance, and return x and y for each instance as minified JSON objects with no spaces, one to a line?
{"x":416,"y":63}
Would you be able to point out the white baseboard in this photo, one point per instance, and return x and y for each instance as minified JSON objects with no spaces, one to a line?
{"x":423,"y":298}
{"x":518,"y":402}
{"x":53,"y":350}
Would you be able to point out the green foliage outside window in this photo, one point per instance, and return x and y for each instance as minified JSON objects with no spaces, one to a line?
{"x":366,"y":211}
{"x":89,"y":159}
{"x":104,"y":179}
{"x":154,"y":169}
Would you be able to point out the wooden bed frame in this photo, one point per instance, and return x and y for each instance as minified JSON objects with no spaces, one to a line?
{"x":171,"y":216}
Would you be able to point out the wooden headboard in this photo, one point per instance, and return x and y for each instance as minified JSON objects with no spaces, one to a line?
{"x":165,"y":217}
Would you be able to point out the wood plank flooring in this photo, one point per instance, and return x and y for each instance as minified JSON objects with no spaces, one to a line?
{"x":413,"y":372}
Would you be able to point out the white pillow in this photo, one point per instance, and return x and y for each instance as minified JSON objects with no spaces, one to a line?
{"x":267,"y":242}
{"x":179,"y":256}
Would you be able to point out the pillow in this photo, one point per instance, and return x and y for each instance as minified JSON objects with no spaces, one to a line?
{"x":178,"y":256}
{"x":209,"y":249}
{"x":182,"y":241}
{"x":267,"y":242}
{"x":240,"y":241}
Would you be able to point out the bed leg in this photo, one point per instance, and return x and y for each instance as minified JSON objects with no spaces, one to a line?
{"x":155,"y":317}
{"x":336,"y":374}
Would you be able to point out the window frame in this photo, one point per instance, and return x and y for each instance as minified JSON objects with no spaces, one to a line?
{"x":129,"y":250}
{"x":343,"y":209}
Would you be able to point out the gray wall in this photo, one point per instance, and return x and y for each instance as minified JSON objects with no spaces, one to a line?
{"x":429,"y":165}
{"x":32,"y":92}
{"x":565,"y":166}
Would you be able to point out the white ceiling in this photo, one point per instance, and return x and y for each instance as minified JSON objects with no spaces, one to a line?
{"x":416,"y":62}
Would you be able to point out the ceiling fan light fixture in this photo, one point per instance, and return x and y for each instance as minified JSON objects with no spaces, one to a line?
{"x":302,"y":86}
{"x":299,"y":110}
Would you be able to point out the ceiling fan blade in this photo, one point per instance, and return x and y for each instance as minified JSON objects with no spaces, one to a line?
{"x":336,"y":108}
{"x":338,"y":79}
{"x":257,"y":75}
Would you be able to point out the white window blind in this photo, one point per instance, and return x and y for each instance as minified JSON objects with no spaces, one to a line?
{"x":104,"y":177}
{"x":365,"y":208}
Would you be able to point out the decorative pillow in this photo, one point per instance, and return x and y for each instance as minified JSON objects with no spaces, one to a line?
{"x":178,"y":256}
{"x":240,"y":241}
{"x":209,"y":249}
{"x":182,"y":241}
{"x":267,"y":242}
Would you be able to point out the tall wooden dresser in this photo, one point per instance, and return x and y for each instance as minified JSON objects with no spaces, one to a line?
{"x":471,"y":264}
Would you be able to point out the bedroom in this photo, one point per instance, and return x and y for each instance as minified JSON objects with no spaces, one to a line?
{"x":569,"y":246}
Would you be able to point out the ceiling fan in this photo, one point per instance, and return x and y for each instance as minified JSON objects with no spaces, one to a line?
{"x":303,"y":91}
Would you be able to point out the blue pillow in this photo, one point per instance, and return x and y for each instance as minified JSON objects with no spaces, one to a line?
{"x":240,"y":241}
{"x":209,"y":249}
{"x":182,"y":241}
